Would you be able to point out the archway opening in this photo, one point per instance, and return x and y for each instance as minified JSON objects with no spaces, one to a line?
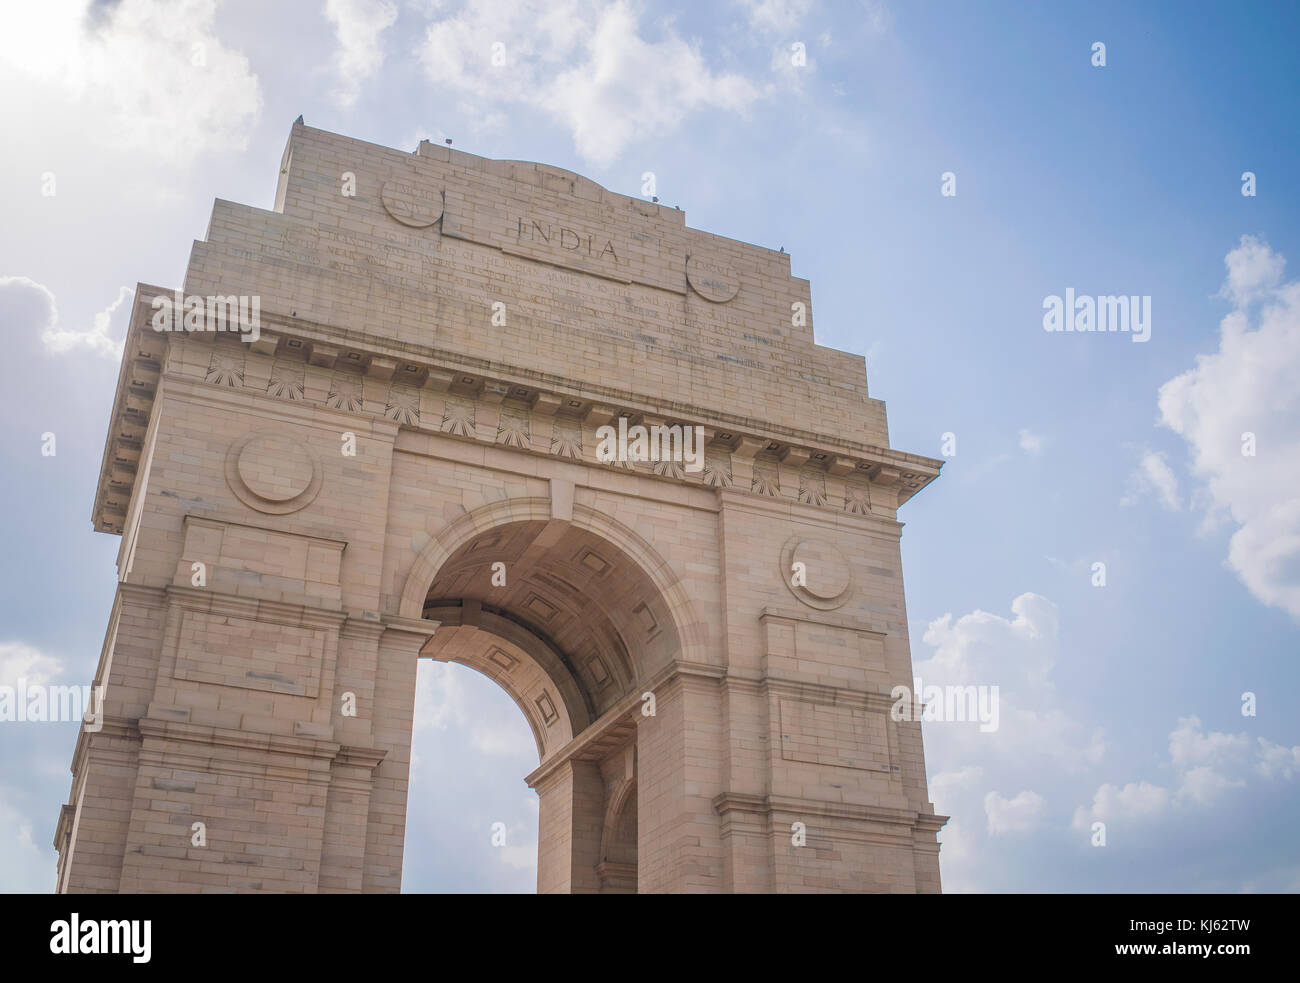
{"x":569,"y":627}
{"x":471,"y":822}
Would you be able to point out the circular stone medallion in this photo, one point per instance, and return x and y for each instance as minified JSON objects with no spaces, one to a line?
{"x":410,"y":203}
{"x":275,"y":468}
{"x":273,"y":473}
{"x":827,"y":573}
{"x":816,"y":572}
{"x":712,"y":280}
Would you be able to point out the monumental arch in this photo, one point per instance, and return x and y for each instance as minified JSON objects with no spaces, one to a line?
{"x":466,"y":326}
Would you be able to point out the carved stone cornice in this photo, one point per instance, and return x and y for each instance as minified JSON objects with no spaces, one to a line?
{"x":897,"y":474}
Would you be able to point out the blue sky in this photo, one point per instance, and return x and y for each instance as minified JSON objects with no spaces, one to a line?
{"x":1120,"y":703}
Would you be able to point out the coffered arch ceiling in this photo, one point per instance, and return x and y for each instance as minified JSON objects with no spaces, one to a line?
{"x":574,"y":608}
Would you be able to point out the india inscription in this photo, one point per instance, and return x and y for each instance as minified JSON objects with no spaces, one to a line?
{"x":564,"y":238}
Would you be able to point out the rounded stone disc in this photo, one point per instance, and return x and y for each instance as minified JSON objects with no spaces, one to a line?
{"x":411,"y":204}
{"x":712,"y":280}
{"x":275,"y":468}
{"x":827,"y":570}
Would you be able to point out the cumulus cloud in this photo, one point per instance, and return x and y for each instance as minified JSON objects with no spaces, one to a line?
{"x":1278,"y":761}
{"x":1205,"y":765}
{"x":1189,"y":748}
{"x":1021,"y":814}
{"x":1017,"y":655}
{"x":1244,"y":397}
{"x":1254,"y":270}
{"x":26,"y":304}
{"x":584,"y":63}
{"x":981,"y":647}
{"x":145,"y":76}
{"x":358,"y":26}
{"x":95,"y":338}
{"x":1038,"y":739}
{"x":1134,"y":801}
{"x":19,"y":660}
{"x":27,"y":310}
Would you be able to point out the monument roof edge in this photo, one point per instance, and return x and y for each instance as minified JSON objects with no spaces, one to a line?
{"x":141,"y":307}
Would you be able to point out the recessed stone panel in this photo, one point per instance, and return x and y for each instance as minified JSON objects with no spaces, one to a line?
{"x":827,"y":734}
{"x":249,"y":654}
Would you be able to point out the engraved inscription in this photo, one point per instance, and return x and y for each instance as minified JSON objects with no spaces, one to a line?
{"x":562,"y":237}
{"x":712,"y":280}
{"x":410,"y":204}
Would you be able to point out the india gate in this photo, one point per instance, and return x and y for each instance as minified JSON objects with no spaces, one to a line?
{"x":387,"y":446}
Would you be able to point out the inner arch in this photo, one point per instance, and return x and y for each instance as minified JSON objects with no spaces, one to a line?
{"x":570,"y":626}
{"x":565,"y":621}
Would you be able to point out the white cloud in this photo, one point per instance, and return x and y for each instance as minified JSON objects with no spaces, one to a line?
{"x":1251,"y":385}
{"x":1204,"y":766}
{"x":95,"y":337}
{"x":984,"y":648}
{"x":1032,"y":443}
{"x":1153,"y":474}
{"x":947,"y":783}
{"x":21,"y":661}
{"x":1135,"y":801}
{"x":1021,"y":814}
{"x":14,"y":287}
{"x":1202,"y":785}
{"x":1189,"y":748}
{"x":1037,"y":741}
{"x":1254,"y":270}
{"x":358,"y":25}
{"x":141,"y":76}
{"x":585,"y":64}
{"x":1278,"y":760}
{"x":59,"y":341}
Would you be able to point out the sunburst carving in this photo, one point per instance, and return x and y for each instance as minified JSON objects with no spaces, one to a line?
{"x":288,"y":379}
{"x":458,"y":417}
{"x":717,"y":468}
{"x":767,"y":479}
{"x":225,"y":370}
{"x":514,"y":429}
{"x":345,"y":393}
{"x":403,"y":404}
{"x":857,"y":496}
{"x":812,"y":486}
{"x":566,"y":437}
